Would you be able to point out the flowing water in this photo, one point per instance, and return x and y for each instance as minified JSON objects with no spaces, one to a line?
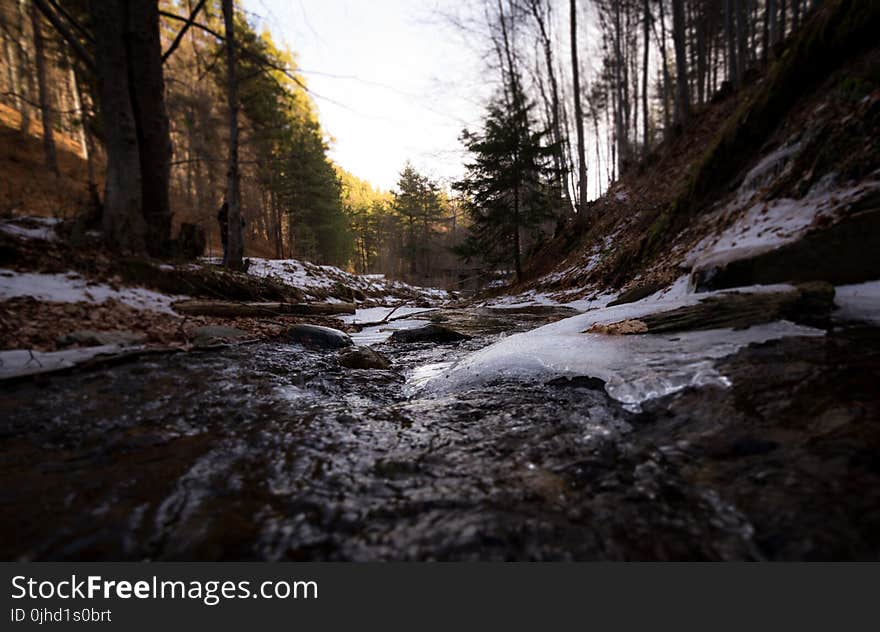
{"x":271,"y":451}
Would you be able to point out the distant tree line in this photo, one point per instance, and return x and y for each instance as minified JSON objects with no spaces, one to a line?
{"x":619,"y":75}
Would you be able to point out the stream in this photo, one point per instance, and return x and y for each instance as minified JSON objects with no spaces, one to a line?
{"x":270,"y":451}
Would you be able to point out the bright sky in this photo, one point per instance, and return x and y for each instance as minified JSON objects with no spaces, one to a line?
{"x":392,"y":79}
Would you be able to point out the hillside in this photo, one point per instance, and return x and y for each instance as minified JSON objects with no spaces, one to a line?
{"x":789,"y":161}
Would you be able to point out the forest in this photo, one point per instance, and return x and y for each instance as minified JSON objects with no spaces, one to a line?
{"x":640,"y":322}
{"x":656,"y":61}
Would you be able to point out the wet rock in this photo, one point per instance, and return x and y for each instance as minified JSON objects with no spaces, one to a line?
{"x":848,"y":252}
{"x":364,"y":358}
{"x":428,"y":333}
{"x":579,"y":381}
{"x":318,"y":337}
{"x":636,"y":293}
{"x":91,"y":338}
{"x":212,"y":334}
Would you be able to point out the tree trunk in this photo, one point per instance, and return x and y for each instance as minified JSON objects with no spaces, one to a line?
{"x":46,"y":111}
{"x":578,"y":119}
{"x":147,"y":87}
{"x":88,"y":144}
{"x":682,"y":100}
{"x":730,"y":28}
{"x":123,"y":222}
{"x":233,"y":181}
{"x":742,"y":37}
{"x":666,"y":79}
{"x":769,"y":28}
{"x":647,"y":31}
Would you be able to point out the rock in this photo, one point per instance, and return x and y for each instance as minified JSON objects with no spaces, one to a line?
{"x":364,"y":358}
{"x":848,"y":252}
{"x":427,"y":333}
{"x":318,"y":337}
{"x":808,"y":304}
{"x":636,"y":293}
{"x":213,"y":334}
{"x":90,"y":337}
{"x":578,"y":381}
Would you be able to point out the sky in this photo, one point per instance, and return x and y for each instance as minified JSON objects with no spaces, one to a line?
{"x":393,"y":80}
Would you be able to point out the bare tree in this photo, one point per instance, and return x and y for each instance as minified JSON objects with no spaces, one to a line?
{"x":46,"y":110}
{"x":682,"y":99}
{"x":233,"y":179}
{"x":123,"y":221}
{"x":578,"y":114}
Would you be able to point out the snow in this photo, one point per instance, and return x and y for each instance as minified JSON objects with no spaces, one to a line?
{"x":44,"y":230}
{"x":73,"y":288}
{"x":635,"y":368}
{"x":767,"y":224}
{"x":859,"y":302}
{"x":308,"y":276}
{"x":20,"y":362}
{"x":772,"y":166}
{"x":557,"y":299}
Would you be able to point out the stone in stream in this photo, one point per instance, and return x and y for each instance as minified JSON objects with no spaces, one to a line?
{"x":90,"y":337}
{"x":364,"y":358}
{"x":318,"y":337}
{"x":212,"y":334}
{"x":427,"y":333}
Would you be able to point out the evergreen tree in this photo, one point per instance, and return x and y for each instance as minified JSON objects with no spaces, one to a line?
{"x":417,"y":202}
{"x":507,"y":187}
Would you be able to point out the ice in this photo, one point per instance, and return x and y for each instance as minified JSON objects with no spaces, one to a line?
{"x":376,"y":314}
{"x":859,"y":302}
{"x":73,"y":288}
{"x":635,"y":368}
{"x":381,"y":333}
{"x":20,"y":362}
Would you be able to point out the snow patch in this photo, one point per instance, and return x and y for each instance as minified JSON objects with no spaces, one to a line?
{"x":21,"y":362}
{"x":308,"y":276}
{"x":73,"y":288}
{"x":766,"y":225}
{"x":859,"y":302}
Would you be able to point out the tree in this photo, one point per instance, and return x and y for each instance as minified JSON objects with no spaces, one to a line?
{"x":578,"y":113}
{"x":505,"y":187}
{"x":682,"y":98}
{"x":233,"y":179}
{"x":46,"y":109}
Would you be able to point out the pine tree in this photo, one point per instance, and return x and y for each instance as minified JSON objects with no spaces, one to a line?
{"x":506,"y":187}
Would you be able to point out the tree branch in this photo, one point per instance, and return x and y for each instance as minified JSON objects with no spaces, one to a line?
{"x":69,"y":37}
{"x":190,"y":21}
{"x":198,"y":25}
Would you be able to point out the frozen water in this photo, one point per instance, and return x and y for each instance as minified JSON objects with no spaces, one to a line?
{"x":635,"y":368}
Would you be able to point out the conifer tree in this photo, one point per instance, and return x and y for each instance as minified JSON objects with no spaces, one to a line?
{"x":506,"y":187}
